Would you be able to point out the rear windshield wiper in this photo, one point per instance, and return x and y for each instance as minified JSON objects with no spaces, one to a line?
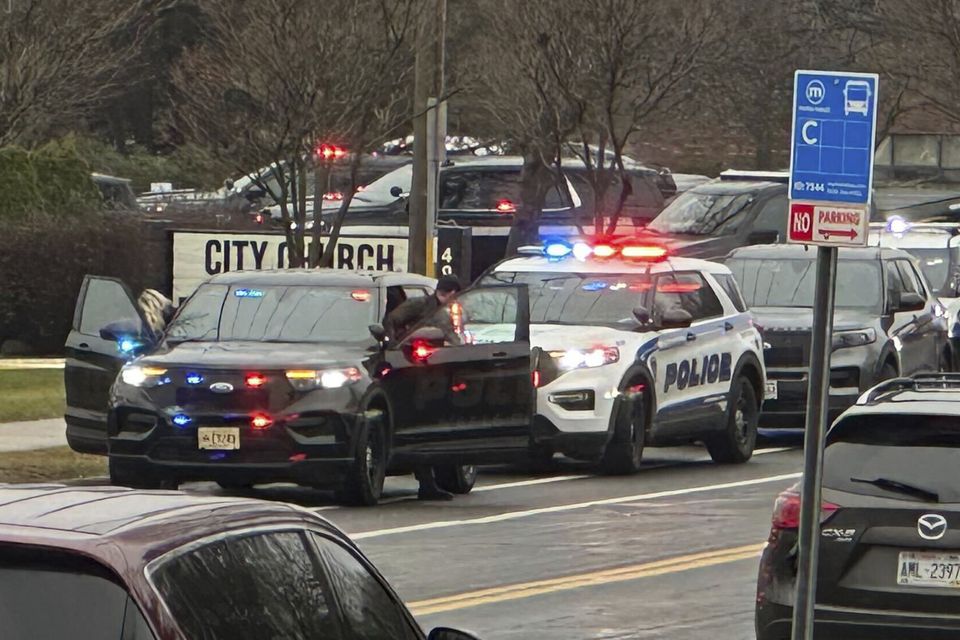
{"x":901,"y":487}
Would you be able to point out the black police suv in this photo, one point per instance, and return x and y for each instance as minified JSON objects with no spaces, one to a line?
{"x":886,"y":323}
{"x":287,"y":376}
{"x":889,"y":565}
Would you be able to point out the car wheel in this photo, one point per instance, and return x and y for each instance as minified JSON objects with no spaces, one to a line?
{"x":137,"y":477}
{"x":737,"y":442}
{"x":457,"y":479}
{"x":625,"y":450}
{"x":364,"y":483}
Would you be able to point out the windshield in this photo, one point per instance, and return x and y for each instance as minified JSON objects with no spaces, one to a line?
{"x":921,"y":451}
{"x":935,"y":264}
{"x":222,"y":313}
{"x":790,"y":282}
{"x":702,"y":214}
{"x":580,"y":298}
{"x":50,"y":595}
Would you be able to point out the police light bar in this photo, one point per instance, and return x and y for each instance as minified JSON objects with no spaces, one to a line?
{"x":560,"y":249}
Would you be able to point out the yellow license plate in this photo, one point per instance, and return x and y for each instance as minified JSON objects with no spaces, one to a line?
{"x":218,"y":438}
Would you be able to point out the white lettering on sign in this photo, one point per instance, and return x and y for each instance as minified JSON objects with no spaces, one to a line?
{"x":801,"y":222}
{"x":804,"y":131}
{"x":198,"y":255}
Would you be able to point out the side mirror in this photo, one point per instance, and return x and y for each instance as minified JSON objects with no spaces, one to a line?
{"x":675,"y":319}
{"x":378,"y":332}
{"x":396,"y":192}
{"x":429,"y":335}
{"x":444,"y":633}
{"x":763,"y":237}
{"x":642,"y":315}
{"x":911,"y":301}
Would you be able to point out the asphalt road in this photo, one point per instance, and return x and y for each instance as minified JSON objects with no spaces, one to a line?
{"x":671,"y":552}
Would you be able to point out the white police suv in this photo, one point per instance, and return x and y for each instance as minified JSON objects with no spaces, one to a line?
{"x":635,"y":348}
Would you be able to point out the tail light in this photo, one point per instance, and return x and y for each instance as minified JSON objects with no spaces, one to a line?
{"x":505,"y":206}
{"x":786,"y":510}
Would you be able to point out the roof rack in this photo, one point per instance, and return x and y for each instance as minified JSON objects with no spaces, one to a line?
{"x":764,"y":176}
{"x":916,"y":382}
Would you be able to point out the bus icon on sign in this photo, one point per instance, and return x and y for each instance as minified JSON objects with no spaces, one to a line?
{"x":856,"y":97}
{"x":815,"y":92}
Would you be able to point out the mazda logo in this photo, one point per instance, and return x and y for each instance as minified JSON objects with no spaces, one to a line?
{"x":221,"y":387}
{"x":932,"y":526}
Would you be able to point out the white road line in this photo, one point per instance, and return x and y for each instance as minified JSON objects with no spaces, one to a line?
{"x":536,"y":481}
{"x":515,"y":515}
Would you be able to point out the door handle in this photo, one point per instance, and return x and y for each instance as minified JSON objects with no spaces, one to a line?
{"x":691,"y":337}
{"x":83,"y":345}
{"x":499,"y":354}
{"x":728,"y":326}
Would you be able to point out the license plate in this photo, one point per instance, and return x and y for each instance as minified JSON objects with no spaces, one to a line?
{"x":929,"y":570}
{"x":770,"y":390}
{"x":219,"y":438}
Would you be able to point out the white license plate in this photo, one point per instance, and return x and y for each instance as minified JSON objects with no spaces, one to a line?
{"x":770,"y":390}
{"x":929,"y":570}
{"x":219,"y":438}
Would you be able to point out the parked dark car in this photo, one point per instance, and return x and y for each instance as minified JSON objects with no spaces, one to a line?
{"x":101,"y":562}
{"x":889,"y":523}
{"x":886,"y":323}
{"x":269,"y":376}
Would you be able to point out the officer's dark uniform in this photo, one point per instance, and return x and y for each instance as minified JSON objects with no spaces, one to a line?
{"x":397,"y":324}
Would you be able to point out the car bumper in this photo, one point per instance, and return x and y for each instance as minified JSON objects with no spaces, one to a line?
{"x":775,"y":621}
{"x":316,"y":448}
{"x":788,"y":410}
{"x":579,"y":402}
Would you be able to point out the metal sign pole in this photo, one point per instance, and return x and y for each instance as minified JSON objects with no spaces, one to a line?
{"x":817,"y":399}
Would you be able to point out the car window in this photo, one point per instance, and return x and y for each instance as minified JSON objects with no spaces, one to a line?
{"x":703,"y":214}
{"x":369,"y":609}
{"x":936,"y":265}
{"x":479,"y":316}
{"x":911,"y":280}
{"x":773,"y":216}
{"x":919,"y":450}
{"x":415,"y":292}
{"x":894,"y":284}
{"x":276,"y":313}
{"x":686,"y":292}
{"x":729,"y":285}
{"x":105,"y":301}
{"x":53,"y":595}
{"x":491,"y":191}
{"x":789,"y":282}
{"x":251,"y":586}
{"x":644,"y":200}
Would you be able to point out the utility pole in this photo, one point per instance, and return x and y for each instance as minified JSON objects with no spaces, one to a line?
{"x":428,"y":87}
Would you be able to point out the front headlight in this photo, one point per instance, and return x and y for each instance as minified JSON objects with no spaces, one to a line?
{"x":585,"y":358}
{"x":309,"y":379}
{"x":855,"y":338}
{"x":140,"y":376}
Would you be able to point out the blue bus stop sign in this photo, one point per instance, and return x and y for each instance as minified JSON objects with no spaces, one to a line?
{"x":834,"y":125}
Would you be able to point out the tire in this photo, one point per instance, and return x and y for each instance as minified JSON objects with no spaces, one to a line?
{"x":135,"y":477}
{"x":624,"y":452}
{"x":458,"y":479}
{"x":738,"y":440}
{"x":364,"y":482}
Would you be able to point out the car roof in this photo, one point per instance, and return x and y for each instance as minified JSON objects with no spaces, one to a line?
{"x":795,"y":251}
{"x":516,"y":162}
{"x":723,"y":186}
{"x":612,"y":266}
{"x":918,"y":235}
{"x":320,"y":277}
{"x":97,"y":521}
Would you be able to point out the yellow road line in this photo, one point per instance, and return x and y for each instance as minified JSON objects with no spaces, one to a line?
{"x":592,"y":579}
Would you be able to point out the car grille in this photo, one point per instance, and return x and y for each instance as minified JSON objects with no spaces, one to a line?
{"x":206,"y":400}
{"x":787,"y":348}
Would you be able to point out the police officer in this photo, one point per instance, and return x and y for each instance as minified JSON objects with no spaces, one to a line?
{"x":397,"y":324}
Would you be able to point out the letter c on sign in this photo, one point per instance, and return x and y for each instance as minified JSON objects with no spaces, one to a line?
{"x":807,"y":138}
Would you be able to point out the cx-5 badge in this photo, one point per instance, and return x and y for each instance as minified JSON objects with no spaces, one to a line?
{"x":932,"y":526}
{"x":221,"y":387}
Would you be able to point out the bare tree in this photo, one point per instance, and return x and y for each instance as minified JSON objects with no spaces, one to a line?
{"x":60,"y":59}
{"x":274,"y":79}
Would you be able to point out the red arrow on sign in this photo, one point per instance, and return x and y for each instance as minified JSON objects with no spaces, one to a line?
{"x":827,"y":233}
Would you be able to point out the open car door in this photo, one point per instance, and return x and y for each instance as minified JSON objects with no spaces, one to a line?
{"x":93,"y":361}
{"x":460,"y":385}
